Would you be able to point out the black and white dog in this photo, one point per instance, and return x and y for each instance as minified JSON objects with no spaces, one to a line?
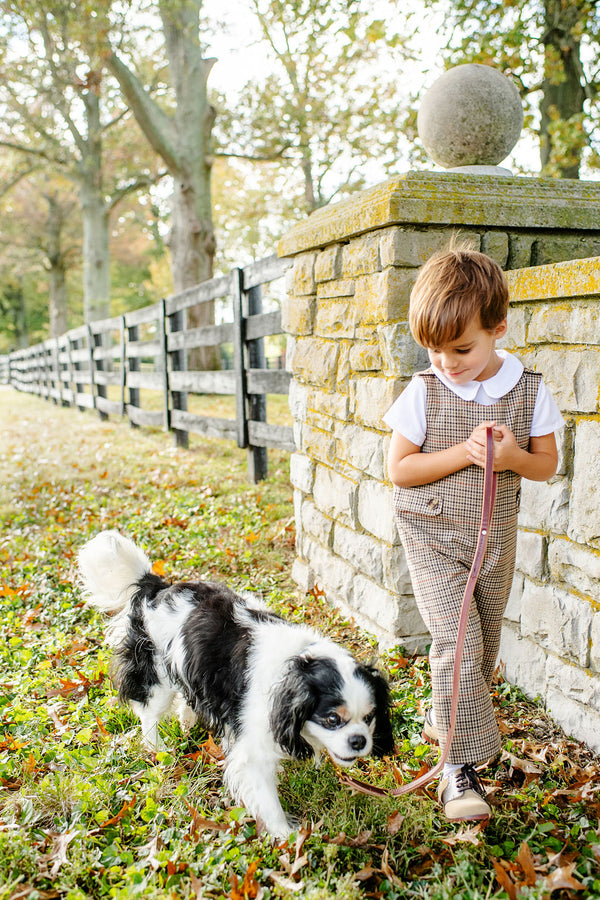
{"x":268,"y":688}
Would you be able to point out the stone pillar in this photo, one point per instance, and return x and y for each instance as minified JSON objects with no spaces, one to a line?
{"x":354,"y":264}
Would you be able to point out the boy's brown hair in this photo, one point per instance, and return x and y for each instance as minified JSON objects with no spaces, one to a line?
{"x":452,"y":288}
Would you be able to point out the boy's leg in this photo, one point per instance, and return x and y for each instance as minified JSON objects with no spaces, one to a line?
{"x":439,"y":583}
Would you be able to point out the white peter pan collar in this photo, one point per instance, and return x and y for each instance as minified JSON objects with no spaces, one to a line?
{"x":495,"y":387}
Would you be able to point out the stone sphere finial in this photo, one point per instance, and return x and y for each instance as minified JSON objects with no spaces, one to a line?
{"x":470,"y":119}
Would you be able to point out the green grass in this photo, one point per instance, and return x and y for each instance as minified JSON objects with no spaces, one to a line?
{"x":86,"y":813}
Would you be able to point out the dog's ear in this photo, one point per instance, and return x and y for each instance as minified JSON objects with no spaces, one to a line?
{"x":293,"y":703}
{"x":383,"y":738}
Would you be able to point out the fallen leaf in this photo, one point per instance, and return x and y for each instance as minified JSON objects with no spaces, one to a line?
{"x":394,"y":822}
{"x":466,"y":835}
{"x":504,"y":880}
{"x":59,"y":850}
{"x":525,"y":860}
{"x":562,"y":879}
{"x":122,"y":812}
{"x":249,"y":887}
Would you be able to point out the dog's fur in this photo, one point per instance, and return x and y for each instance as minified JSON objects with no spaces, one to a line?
{"x":269,"y":689}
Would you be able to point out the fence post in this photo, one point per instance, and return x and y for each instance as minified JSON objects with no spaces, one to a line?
{"x":123,"y":383}
{"x":99,"y":340}
{"x":241,"y":416}
{"x":178,"y":360}
{"x":133,"y":365}
{"x":258,"y":464}
{"x":165,"y":364}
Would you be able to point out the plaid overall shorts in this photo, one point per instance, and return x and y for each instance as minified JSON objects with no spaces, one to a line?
{"x":438,"y":524}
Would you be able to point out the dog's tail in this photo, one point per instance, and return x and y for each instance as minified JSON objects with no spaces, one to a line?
{"x":110,"y":567}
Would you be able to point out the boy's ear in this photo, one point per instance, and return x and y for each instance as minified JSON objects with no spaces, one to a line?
{"x":500,"y":329}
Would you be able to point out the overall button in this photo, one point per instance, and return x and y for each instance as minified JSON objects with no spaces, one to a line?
{"x":434,"y":505}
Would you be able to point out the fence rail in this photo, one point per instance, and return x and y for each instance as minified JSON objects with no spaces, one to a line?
{"x":140,"y":365}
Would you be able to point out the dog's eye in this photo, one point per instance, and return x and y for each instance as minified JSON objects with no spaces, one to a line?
{"x":369,"y":717}
{"x":332,"y":721}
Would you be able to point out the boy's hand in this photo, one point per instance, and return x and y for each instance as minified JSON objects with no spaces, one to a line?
{"x":505,"y":445}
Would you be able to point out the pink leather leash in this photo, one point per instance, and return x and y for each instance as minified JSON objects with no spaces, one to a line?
{"x":487,"y":508}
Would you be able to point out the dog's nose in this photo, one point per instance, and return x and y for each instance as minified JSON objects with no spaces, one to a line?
{"x":357,"y":742}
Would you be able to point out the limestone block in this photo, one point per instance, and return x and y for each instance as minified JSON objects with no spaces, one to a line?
{"x":550,"y":248}
{"x":383,"y":297}
{"x":545,"y":505}
{"x":303,"y":275}
{"x":342,"y":378}
{"x":575,"y":683}
{"x":336,"y":496}
{"x":571,"y":375}
{"x":332,"y":574}
{"x":520,"y":250}
{"x":315,"y":524}
{"x":328,"y":264}
{"x":576,"y":565}
{"x":315,"y":362}
{"x":370,"y":399}
{"x":584,"y":519}
{"x":396,"y":576}
{"x":403,"y":246}
{"x":361,"y":256}
{"x":302,"y":472}
{"x":374,"y":602}
{"x":362,"y":449}
{"x":318,"y":444}
{"x":576,"y":720}
{"x":512,"y":613}
{"x":516,"y":334}
{"x":595,"y":648}
{"x":298,"y":314}
{"x":495,"y":244}
{"x":365,"y":356}
{"x":337,"y":288}
{"x":401,"y":355}
{"x":303,"y":575}
{"x":298,"y":400}
{"x":360,"y":550}
{"x":375,"y":510}
{"x":565,"y":323}
{"x":523,"y":662}
{"x":335,"y":319}
{"x":337,"y":405}
{"x":558,"y":621}
{"x":531,"y":554}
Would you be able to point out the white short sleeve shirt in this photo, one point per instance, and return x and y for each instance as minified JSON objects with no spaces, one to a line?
{"x":407,"y":414}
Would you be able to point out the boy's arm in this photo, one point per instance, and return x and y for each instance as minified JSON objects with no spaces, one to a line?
{"x":408,"y":467}
{"x":537,"y":463}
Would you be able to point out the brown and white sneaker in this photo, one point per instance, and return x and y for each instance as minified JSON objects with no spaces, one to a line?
{"x":462,"y":795}
{"x":430,"y":732}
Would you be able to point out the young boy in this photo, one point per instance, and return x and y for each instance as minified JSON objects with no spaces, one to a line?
{"x":458,"y":310}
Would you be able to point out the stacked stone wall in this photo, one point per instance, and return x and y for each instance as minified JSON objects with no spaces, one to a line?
{"x":352,"y":353}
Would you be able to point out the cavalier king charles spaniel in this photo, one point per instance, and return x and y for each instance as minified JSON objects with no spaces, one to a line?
{"x":267,"y":688}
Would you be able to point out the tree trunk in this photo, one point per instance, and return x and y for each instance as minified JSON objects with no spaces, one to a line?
{"x":563,"y":94}
{"x":96,"y":253}
{"x":183,"y":141}
{"x":57,"y":285}
{"x":192,"y":240}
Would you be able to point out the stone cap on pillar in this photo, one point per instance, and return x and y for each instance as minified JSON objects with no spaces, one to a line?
{"x":455,"y":199}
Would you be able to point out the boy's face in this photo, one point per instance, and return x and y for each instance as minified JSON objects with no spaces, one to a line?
{"x":472,"y":356}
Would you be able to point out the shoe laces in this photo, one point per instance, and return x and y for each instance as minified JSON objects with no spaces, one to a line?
{"x":468,"y":779}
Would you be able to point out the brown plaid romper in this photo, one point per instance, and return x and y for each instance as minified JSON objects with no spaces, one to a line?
{"x":438,"y":524}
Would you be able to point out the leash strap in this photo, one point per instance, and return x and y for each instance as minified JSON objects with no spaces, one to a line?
{"x":487,"y":508}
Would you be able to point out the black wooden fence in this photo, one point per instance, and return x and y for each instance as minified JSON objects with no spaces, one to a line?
{"x":139,"y":365}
